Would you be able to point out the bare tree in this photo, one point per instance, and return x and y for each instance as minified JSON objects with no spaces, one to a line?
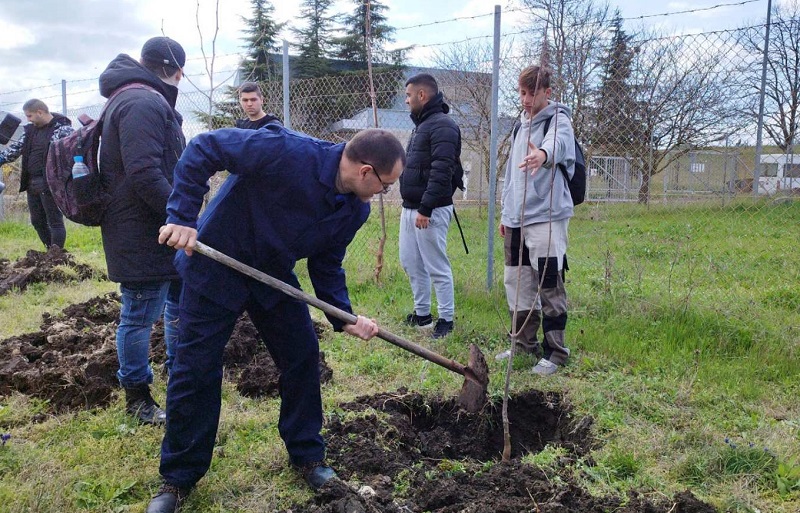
{"x":682,"y":90}
{"x":468,"y":86}
{"x":576,"y":32}
{"x":782,"y":93}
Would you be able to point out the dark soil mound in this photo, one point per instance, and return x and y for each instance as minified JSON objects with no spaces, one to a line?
{"x":403,"y":453}
{"x":56,"y":265}
{"x":72,"y":360}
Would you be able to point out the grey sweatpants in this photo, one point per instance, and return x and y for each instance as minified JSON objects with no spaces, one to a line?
{"x":423,"y":255}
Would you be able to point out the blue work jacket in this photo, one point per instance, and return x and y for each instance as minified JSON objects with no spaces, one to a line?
{"x":278,"y":205}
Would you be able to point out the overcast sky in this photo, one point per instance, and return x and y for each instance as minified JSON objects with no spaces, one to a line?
{"x":45,"y":41}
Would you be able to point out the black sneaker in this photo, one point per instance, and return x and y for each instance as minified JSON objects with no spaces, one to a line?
{"x":442,"y":328}
{"x":168,"y":499}
{"x":419,"y":321}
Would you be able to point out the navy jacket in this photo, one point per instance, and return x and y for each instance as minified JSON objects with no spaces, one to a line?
{"x":278,"y":205}
{"x":141,"y":141}
{"x":432,"y":155}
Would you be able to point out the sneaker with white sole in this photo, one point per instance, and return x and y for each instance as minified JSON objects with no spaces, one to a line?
{"x":545,"y":368}
{"x":419,"y":321}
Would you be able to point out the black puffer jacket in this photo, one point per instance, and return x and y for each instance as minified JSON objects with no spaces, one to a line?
{"x":141,"y":142}
{"x":432,"y":155}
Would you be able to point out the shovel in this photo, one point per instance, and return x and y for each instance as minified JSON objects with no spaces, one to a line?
{"x":473,"y":393}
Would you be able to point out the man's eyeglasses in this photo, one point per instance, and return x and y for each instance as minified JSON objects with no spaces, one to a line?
{"x":386,"y":187}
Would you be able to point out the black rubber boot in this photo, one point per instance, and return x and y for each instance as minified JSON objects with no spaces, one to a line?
{"x":141,"y":405}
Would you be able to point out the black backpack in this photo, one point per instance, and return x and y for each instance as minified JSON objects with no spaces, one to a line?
{"x":576,"y":185}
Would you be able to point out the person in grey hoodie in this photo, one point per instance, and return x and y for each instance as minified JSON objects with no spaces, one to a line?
{"x":537,"y":207}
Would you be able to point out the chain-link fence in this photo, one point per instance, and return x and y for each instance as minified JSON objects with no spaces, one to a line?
{"x":667,"y":123}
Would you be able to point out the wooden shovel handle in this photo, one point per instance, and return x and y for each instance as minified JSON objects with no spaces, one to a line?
{"x":333,"y":311}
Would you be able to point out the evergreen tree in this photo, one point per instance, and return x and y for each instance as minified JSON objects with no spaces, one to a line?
{"x":616,"y":127}
{"x":262,"y":40}
{"x":315,"y":36}
{"x":353,"y":45}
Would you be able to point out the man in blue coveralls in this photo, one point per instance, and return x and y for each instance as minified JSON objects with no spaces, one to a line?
{"x":288,"y":197}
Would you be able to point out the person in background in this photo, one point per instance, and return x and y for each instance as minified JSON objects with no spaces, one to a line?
{"x":252,"y":103}
{"x":142,"y":140}
{"x":32,"y":146}
{"x":426,"y":188}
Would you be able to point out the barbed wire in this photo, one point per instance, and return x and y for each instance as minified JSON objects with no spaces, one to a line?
{"x":642,"y":17}
{"x":452,"y":42}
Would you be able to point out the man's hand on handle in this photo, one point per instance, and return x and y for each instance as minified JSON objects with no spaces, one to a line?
{"x":178,"y":237}
{"x":364,"y":328}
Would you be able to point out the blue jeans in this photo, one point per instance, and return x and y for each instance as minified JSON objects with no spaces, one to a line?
{"x":143,"y":303}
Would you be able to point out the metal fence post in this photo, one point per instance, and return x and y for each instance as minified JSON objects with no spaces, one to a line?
{"x":64,"y":97}
{"x":287,"y":120}
{"x":757,"y":170}
{"x":493,"y":149}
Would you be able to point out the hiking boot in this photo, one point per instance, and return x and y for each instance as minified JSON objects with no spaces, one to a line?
{"x":316,"y":474}
{"x":419,"y":321}
{"x":167,"y":500}
{"x":442,"y":328}
{"x":545,"y":368}
{"x":140,"y":405}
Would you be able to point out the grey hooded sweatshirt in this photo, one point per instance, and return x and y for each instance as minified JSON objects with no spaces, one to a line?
{"x":559,"y":145}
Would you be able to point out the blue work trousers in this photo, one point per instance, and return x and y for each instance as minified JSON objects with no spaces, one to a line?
{"x":194,"y":392}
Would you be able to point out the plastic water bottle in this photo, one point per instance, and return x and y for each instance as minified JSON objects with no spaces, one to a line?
{"x":79,"y":169}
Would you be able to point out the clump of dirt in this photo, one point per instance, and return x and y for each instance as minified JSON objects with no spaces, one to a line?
{"x":72,"y":361}
{"x":404,"y":453}
{"x":56,"y":265}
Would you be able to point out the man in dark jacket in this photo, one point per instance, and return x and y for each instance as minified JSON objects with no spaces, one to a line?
{"x":43,"y":128}
{"x":141,"y":142}
{"x":288,"y":197}
{"x":252,"y":103}
{"x":426,"y":187}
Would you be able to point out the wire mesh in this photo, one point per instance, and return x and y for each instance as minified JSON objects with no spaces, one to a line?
{"x":668,"y":125}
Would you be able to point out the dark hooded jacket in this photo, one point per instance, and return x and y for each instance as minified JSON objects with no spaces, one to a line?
{"x":432,"y":155}
{"x":141,"y":142}
{"x":35,"y":142}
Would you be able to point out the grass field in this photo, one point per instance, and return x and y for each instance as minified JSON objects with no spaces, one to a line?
{"x":685,"y":335}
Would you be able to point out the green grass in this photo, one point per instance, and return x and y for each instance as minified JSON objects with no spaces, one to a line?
{"x":684,"y":326}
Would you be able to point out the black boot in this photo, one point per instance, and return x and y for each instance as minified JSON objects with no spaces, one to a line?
{"x":167,"y":500}
{"x":140,"y":405}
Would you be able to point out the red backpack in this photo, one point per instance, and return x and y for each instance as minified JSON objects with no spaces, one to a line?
{"x":83,"y":201}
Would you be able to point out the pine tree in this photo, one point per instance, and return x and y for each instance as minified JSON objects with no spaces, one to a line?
{"x":315,"y":36}
{"x":616,"y":126}
{"x":262,"y":40}
{"x":352,"y":46}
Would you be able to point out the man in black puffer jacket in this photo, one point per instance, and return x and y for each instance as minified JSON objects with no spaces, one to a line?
{"x":142,"y":141}
{"x":426,"y":186}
